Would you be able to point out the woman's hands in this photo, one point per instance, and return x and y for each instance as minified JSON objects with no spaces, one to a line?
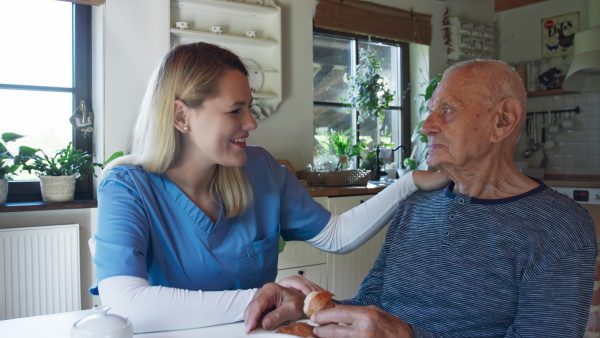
{"x":430,"y":180}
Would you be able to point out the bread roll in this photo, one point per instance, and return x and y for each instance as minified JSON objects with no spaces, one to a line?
{"x":317,"y":301}
{"x":297,"y":329}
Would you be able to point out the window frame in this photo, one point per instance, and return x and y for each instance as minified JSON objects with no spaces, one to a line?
{"x":404,"y":108}
{"x":29,"y":191}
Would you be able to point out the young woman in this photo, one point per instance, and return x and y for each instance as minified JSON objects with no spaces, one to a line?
{"x":189,"y":222}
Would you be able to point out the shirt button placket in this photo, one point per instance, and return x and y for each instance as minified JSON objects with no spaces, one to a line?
{"x":450,"y":224}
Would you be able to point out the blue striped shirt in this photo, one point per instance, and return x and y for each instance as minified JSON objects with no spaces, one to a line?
{"x":456,"y":266}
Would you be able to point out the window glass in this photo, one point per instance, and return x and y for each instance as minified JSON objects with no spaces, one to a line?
{"x":329,"y":119}
{"x":45,"y":72}
{"x":42,"y":116}
{"x":334,"y":59}
{"x":36,"y":42}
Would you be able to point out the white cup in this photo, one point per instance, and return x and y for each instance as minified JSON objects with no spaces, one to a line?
{"x":216,"y":29}
{"x":181,"y":25}
{"x":549,"y":145}
{"x":568,"y":124}
{"x":391,"y":174}
{"x":251,"y":34}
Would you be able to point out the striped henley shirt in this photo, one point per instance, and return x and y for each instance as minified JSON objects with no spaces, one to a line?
{"x":456,"y":266}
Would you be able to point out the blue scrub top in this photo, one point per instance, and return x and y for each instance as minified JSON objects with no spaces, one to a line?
{"x":148,"y":228}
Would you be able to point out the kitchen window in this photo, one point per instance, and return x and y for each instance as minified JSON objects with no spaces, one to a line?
{"x":335,"y":56}
{"x":45,"y":73}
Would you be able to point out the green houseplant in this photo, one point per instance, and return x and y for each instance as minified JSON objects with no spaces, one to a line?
{"x":59,"y":172}
{"x":11,"y":164}
{"x":368,"y":92}
{"x":419,"y":151}
{"x":340,"y":144}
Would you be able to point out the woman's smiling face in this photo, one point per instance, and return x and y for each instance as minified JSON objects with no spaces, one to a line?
{"x":219,"y":128}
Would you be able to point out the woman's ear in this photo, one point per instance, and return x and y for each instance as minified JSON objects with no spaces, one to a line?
{"x":180,"y":120}
{"x":508,"y":116}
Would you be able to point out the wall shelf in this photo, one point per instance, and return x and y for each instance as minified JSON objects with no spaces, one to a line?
{"x":549,"y":92}
{"x":235,"y":18}
{"x":225,"y":38}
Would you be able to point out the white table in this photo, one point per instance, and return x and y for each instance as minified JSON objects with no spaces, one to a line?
{"x":59,"y":326}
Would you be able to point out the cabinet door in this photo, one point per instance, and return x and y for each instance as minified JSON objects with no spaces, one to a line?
{"x":301,"y":254}
{"x":346,"y":272}
{"x":315,"y":273}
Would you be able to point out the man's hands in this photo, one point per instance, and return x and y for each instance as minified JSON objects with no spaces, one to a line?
{"x":277,"y":303}
{"x":359,"y":321}
{"x":430,"y":180}
{"x":273,"y":305}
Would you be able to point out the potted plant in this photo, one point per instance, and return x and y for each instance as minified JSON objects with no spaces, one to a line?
{"x":368,"y":92}
{"x":10,"y":164}
{"x":419,"y":151}
{"x":58,"y":173}
{"x":340,"y":144}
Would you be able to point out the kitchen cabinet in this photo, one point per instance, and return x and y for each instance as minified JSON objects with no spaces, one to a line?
{"x":469,"y":40}
{"x":344,"y":273}
{"x":558,"y":91}
{"x":316,"y":273}
{"x":261,"y":54}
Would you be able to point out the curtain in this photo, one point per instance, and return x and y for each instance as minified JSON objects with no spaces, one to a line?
{"x":361,"y":17}
{"x":86,"y":2}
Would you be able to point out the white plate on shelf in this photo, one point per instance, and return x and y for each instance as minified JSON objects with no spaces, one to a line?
{"x":255,"y":78}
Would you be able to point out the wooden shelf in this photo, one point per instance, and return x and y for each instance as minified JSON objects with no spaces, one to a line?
{"x":236,"y":18}
{"x":207,"y":36}
{"x":549,"y":92}
{"x":226,"y":5}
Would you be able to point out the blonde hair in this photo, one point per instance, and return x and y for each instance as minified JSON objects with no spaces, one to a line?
{"x":190,"y":73}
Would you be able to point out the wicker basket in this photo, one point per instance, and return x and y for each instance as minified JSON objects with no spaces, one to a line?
{"x":335,"y":178}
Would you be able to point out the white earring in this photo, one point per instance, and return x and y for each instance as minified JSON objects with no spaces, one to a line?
{"x":186,"y":128}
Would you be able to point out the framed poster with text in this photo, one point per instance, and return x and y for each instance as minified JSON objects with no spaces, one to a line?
{"x":558,"y":34}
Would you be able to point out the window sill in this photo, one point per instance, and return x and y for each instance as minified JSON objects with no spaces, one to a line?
{"x":41,"y":206}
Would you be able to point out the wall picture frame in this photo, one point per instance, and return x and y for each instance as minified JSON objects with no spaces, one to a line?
{"x":558,"y":34}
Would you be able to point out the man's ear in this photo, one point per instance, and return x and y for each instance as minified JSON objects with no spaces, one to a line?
{"x":509,"y":114}
{"x":180,"y":115}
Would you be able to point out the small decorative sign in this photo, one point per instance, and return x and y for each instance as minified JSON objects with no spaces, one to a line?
{"x":558,"y":34}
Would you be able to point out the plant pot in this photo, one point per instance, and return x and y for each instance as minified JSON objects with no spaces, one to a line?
{"x":57,"y":188}
{"x":3,"y":190}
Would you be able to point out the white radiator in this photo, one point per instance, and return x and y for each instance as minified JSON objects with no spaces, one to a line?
{"x":39,"y":270}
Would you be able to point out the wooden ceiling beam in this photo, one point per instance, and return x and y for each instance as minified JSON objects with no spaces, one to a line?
{"x":502,"y":5}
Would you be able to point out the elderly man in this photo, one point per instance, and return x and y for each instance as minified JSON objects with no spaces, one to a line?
{"x":495,"y":254}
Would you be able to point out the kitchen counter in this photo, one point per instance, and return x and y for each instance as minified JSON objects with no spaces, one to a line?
{"x":320,"y":191}
{"x":576,"y":181}
{"x":590,"y":181}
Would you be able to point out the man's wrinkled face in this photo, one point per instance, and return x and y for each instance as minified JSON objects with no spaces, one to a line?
{"x":460,"y":123}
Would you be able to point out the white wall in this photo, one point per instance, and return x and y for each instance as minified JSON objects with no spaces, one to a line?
{"x":576,"y":152}
{"x":520,"y":33}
